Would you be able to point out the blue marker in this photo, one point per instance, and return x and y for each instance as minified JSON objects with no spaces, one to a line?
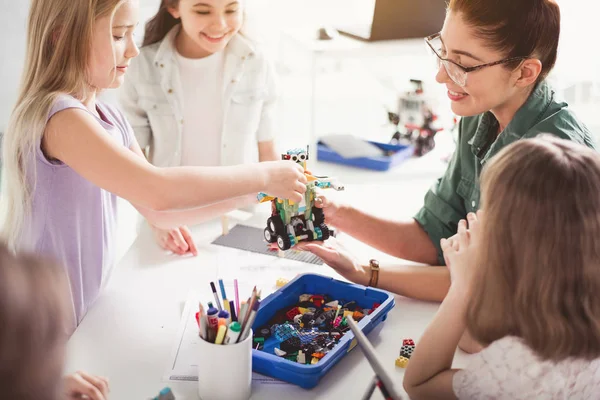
{"x":224,"y":314}
{"x":213,"y":321}
{"x":223,"y":295}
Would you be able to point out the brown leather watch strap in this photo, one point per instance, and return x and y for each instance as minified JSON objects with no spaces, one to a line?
{"x":374,"y":265}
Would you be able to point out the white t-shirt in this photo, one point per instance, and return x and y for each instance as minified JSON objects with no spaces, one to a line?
{"x":509,"y":369}
{"x":202,"y":84}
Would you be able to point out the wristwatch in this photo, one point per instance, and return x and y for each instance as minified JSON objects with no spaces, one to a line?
{"x":374,"y":265}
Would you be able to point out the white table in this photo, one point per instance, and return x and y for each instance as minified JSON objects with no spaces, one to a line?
{"x":128,"y":335}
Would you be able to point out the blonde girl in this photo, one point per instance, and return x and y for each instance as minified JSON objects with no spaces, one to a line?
{"x":68,"y":156}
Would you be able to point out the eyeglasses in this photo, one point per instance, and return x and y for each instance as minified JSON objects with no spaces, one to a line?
{"x":457,"y":72}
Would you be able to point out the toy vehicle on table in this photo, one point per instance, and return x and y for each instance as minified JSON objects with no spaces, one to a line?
{"x":414,"y":121}
{"x":291,"y":223}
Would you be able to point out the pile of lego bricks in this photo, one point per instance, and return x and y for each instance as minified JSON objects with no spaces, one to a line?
{"x":308,"y":330}
{"x":408,"y":347}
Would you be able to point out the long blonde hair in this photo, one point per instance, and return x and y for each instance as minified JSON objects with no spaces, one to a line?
{"x":538,"y":265}
{"x":59,"y":39}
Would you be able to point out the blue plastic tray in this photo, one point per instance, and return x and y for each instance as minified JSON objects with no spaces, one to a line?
{"x":308,"y":376}
{"x":383,"y":163}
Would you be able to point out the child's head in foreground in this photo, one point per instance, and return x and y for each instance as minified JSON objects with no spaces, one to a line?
{"x":32,"y":335}
{"x":538,"y":263}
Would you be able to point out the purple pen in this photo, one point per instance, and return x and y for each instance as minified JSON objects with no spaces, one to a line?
{"x":237,"y":297}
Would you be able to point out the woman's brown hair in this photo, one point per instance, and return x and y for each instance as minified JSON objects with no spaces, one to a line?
{"x":517,"y":28}
{"x":33,"y":327}
{"x":538,"y":263}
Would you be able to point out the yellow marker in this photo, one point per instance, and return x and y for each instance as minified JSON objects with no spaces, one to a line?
{"x":226,"y":306}
{"x":221,"y":334}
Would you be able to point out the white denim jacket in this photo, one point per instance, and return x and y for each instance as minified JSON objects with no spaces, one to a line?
{"x":152,"y":99}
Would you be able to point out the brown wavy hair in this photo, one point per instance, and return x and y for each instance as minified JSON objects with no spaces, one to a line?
{"x":33,"y":312}
{"x":158,"y":26}
{"x":517,"y":28}
{"x":538,"y":266}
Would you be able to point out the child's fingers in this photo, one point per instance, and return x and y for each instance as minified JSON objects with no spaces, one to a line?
{"x":445,"y":244}
{"x":473,"y":223}
{"x":179,"y":240}
{"x":83,"y":387}
{"x":99,"y":383}
{"x":173,"y":247}
{"x":187,"y":235}
{"x":463,"y":235}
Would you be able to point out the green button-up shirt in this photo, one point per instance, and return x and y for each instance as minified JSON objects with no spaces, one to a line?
{"x":457,"y":192}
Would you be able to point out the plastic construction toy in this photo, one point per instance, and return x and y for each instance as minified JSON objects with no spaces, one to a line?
{"x":306,"y":331}
{"x":414,"y":121}
{"x":291,"y":223}
{"x":408,"y":347}
{"x":401,"y":362}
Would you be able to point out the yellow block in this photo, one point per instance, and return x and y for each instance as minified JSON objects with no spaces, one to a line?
{"x":352,"y":345}
{"x":281,"y":282}
{"x":302,"y":310}
{"x":348,"y":313}
{"x":401,"y":362}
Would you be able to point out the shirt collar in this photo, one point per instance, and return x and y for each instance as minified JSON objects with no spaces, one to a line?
{"x":484,"y":143}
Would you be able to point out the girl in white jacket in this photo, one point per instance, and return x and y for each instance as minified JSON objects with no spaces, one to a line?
{"x":200,"y":94}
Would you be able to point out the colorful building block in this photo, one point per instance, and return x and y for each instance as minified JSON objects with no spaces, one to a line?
{"x":401,"y":362}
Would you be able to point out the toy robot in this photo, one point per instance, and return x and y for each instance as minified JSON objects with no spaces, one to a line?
{"x":417,"y":120}
{"x":291,"y":223}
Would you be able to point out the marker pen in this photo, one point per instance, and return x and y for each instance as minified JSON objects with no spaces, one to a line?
{"x":221,"y":334}
{"x":224,"y":314}
{"x":233,"y":333}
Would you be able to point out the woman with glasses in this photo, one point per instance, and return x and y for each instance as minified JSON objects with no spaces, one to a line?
{"x":494,"y":58}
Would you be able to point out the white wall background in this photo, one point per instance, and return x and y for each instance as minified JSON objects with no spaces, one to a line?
{"x":579,"y":58}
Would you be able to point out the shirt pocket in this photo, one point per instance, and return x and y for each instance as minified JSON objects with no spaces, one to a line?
{"x":469,"y":191}
{"x":164,"y":127}
{"x":245,"y":111}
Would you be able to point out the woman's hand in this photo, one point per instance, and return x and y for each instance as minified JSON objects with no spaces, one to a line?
{"x":178,"y":240}
{"x":339,"y":258}
{"x":331,"y":209}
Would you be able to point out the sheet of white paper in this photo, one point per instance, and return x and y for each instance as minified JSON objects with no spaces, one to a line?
{"x":350,"y":146}
{"x":183,"y":361}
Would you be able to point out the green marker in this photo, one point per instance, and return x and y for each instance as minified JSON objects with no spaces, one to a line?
{"x":233,"y":333}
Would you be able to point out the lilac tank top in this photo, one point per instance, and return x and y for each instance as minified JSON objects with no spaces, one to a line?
{"x":72,"y":220}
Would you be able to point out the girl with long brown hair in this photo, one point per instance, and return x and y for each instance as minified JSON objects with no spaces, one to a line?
{"x":67,"y":155}
{"x":525,"y":283}
{"x":201,"y":93}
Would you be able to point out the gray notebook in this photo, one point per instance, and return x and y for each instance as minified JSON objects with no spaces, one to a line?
{"x":251,"y":239}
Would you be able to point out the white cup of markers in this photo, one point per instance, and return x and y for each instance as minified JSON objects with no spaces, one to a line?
{"x":225,"y":330}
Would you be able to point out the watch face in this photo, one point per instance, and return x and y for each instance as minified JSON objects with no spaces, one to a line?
{"x":374,"y":263}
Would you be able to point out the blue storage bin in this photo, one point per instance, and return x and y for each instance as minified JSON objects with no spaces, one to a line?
{"x":308,"y":375}
{"x":383,"y":163}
